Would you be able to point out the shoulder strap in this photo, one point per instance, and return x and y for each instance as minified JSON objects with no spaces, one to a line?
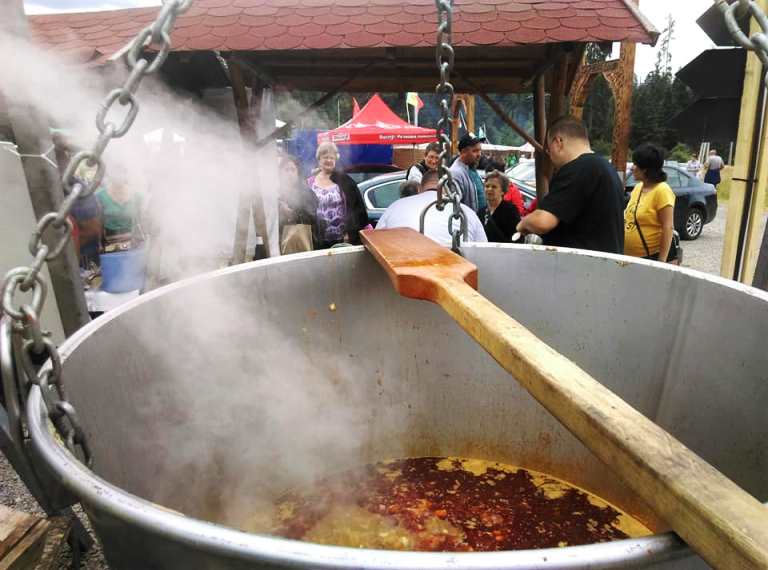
{"x":637,"y":225}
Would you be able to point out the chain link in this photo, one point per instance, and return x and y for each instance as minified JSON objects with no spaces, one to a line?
{"x":26,"y":317}
{"x":757,"y":42}
{"x":448,"y":192}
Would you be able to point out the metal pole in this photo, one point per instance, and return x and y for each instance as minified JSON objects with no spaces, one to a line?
{"x":30,"y":130}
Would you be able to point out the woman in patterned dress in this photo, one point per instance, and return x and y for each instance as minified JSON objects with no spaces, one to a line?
{"x":340,"y":210}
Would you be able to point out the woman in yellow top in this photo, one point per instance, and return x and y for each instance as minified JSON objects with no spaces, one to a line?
{"x":648,"y":219}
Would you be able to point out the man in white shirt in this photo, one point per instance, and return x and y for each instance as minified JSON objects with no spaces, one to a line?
{"x":406,"y":212}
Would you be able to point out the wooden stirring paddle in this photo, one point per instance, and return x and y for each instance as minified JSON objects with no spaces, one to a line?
{"x":724,"y":524}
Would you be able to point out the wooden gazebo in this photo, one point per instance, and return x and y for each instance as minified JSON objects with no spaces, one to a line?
{"x":501,"y":46}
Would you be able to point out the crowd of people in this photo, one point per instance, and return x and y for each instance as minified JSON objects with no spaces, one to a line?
{"x":106,"y":220}
{"x":584,"y":207}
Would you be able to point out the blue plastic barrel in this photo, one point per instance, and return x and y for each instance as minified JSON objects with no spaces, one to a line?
{"x":123,"y":271}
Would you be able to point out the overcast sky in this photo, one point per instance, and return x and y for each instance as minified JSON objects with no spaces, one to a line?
{"x":688,"y":43}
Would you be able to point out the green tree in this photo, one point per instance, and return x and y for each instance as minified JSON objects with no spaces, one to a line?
{"x":680,"y":153}
{"x":658,"y":99}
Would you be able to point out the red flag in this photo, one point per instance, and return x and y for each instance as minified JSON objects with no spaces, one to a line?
{"x":355,"y":107}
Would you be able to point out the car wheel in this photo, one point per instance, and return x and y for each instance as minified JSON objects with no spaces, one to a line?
{"x":693,"y":225}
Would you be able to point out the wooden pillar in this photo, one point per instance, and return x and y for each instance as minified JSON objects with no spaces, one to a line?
{"x":557,"y":97}
{"x":540,"y":132}
{"x":246,"y":204}
{"x":31,"y":133}
{"x":731,"y":266}
{"x":621,"y":83}
{"x":468,"y":102}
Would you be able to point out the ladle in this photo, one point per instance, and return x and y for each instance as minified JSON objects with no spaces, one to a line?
{"x":723,"y":523}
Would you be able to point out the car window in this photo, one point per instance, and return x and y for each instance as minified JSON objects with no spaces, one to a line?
{"x":673,"y":177}
{"x":382,"y":195}
{"x":523,"y":171}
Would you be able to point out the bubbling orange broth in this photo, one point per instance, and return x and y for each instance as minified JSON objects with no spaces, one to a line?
{"x":446,"y":504}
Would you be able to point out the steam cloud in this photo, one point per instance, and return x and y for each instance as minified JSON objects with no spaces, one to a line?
{"x":303,"y":416}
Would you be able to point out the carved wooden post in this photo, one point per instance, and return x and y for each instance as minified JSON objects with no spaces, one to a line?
{"x":621,"y":84}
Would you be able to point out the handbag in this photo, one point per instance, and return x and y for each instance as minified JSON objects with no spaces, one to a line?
{"x":675,"y":251}
{"x":296,"y":238}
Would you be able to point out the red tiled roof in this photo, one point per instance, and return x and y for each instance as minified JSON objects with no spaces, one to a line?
{"x":257,"y":25}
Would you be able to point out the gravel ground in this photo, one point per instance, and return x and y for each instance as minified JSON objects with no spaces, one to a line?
{"x":706,"y":252}
{"x":703,"y":254}
{"x":14,"y":494}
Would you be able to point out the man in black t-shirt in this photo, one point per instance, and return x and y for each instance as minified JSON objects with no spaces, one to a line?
{"x":584,"y":206}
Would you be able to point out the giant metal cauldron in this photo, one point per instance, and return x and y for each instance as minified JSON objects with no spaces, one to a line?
{"x":171,"y":424}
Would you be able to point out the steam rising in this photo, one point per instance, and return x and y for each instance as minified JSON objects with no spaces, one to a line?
{"x":291,"y":411}
{"x":190,"y":189}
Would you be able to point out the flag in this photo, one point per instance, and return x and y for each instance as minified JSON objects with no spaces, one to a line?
{"x":355,"y":107}
{"x":412,"y":98}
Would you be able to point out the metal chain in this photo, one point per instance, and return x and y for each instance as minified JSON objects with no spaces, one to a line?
{"x":26,"y":317}
{"x":757,"y":42}
{"x":447,"y":189}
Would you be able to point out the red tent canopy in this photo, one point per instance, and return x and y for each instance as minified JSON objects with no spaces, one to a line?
{"x":377,"y":124}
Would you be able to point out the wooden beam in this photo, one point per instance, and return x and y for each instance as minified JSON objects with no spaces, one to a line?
{"x":743,"y":170}
{"x":22,"y":538}
{"x":540,"y":132}
{"x":756,"y":245}
{"x":289,"y":124}
{"x":502,"y":114}
{"x":246,"y":124}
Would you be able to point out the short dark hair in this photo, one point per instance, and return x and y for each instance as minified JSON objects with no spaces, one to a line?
{"x":409,"y":188}
{"x":502,"y":178}
{"x":650,"y":159}
{"x":568,"y":126}
{"x":430,"y":180}
{"x":432,"y":147}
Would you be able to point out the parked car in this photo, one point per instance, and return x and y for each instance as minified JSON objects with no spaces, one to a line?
{"x":524,"y":171}
{"x":379,"y":192}
{"x":695,"y":203}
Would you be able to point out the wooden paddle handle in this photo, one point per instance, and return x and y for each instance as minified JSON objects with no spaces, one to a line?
{"x":724,"y":524}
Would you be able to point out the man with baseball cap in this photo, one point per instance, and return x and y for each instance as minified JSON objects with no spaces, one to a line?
{"x":464,"y":171}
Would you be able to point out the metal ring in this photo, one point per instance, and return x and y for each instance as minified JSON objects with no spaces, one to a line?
{"x":134,"y":52}
{"x":50,"y":219}
{"x":69,"y":178}
{"x":32,"y":326}
{"x":34,"y":269}
{"x":165,"y":17}
{"x":9,"y":382}
{"x":13,"y":280}
{"x":134,"y":79}
{"x":729,"y":13}
{"x":75,"y":436}
{"x":162,"y":53}
{"x":423,"y":216}
{"x":114,"y":96}
{"x":66,"y":205}
{"x":760,"y":16}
